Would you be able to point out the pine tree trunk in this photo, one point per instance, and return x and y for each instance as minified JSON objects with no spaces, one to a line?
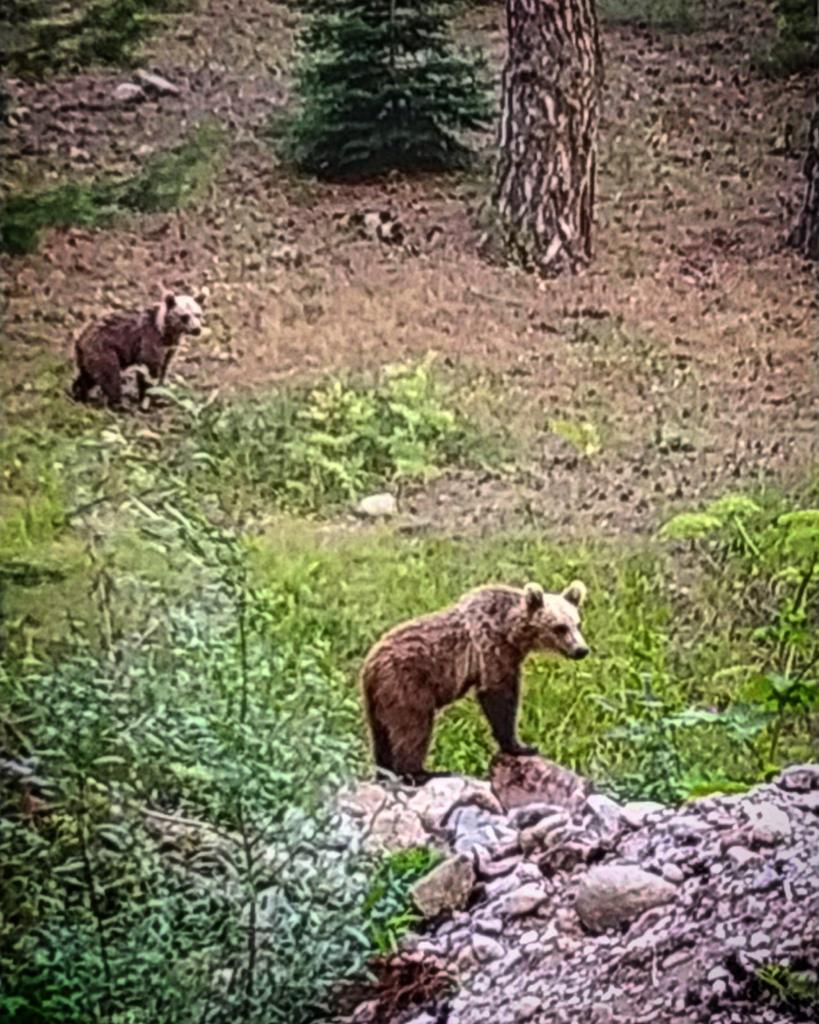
{"x":544,"y":188}
{"x":805,"y":236}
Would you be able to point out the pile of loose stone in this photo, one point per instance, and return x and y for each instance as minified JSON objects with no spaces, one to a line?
{"x":557,"y":904}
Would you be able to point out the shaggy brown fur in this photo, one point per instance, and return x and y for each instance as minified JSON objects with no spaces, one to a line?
{"x":147,"y":338}
{"x":481,"y":642}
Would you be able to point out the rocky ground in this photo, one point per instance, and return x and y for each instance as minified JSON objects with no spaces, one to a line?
{"x":687,"y":349}
{"x":556,"y":904}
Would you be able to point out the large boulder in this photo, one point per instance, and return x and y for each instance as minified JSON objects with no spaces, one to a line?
{"x":446,"y":887}
{"x":615,"y":894}
{"x":517,"y":781}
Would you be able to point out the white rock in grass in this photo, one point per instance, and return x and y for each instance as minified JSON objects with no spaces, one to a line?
{"x":129,"y":92}
{"x":377,"y":506}
{"x":156,"y":83}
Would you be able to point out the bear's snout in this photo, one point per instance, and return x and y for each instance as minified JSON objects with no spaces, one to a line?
{"x":579,"y":652}
{"x":196,"y":331}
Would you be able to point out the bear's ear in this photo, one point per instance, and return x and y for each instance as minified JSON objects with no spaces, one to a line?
{"x":203,"y":296}
{"x":533,"y":593}
{"x":170,"y":300}
{"x":575,"y":593}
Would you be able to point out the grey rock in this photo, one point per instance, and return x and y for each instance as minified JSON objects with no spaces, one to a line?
{"x":523,"y":901}
{"x":749,"y":893}
{"x":681,"y":956}
{"x":808,"y":801}
{"x":440,"y":798}
{"x":129,"y":92}
{"x":635,"y":812}
{"x":383,"y":818}
{"x":614,"y":894}
{"x":517,"y":781}
{"x":546,"y":833}
{"x":740,"y":855}
{"x":607,"y":811}
{"x":511,"y":960}
{"x":469,"y":826}
{"x":489,"y":925}
{"x":446,"y":887}
{"x":672,"y":873}
{"x":488,"y":868}
{"x":766,"y":880}
{"x":759,"y":939}
{"x":486,"y":948}
{"x":769,"y":822}
{"x":527,"y":1007}
{"x":156,"y":83}
{"x":799,"y":778}
{"x":527,"y":815}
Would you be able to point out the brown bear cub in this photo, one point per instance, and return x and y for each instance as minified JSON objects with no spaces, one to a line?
{"x":481,"y":642}
{"x":146,"y":339}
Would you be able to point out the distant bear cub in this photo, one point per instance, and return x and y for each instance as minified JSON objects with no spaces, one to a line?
{"x":147,"y":339}
{"x":480,"y":642}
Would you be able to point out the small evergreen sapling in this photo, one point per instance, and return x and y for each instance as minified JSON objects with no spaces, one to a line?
{"x":384,"y":87}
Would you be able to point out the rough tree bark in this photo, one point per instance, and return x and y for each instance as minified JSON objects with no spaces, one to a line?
{"x":544,"y":187}
{"x":805,"y":236}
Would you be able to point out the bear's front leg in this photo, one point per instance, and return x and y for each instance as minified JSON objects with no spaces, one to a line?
{"x":500,"y":705}
{"x":147,"y":376}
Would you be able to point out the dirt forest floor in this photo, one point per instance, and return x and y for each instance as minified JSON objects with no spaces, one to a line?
{"x":688,"y":349}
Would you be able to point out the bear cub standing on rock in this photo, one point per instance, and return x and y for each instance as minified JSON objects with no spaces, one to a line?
{"x":147,"y":339}
{"x":481,"y":642}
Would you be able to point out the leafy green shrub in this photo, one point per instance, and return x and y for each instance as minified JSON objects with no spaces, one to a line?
{"x":792,"y":989}
{"x":382,"y":87}
{"x":185,"y":865}
{"x":389,"y":910}
{"x":772,"y":560}
{"x":39,"y":36}
{"x":167,"y":181}
{"x":310,"y":450}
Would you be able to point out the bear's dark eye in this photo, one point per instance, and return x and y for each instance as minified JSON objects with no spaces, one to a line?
{"x":186,"y":318}
{"x":561,"y":630}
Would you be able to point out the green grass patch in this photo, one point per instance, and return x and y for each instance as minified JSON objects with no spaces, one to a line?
{"x":69,"y":470}
{"x":40,"y":36}
{"x":389,"y":909}
{"x":582,"y":435}
{"x":168,"y":181}
{"x":690,"y":689}
{"x":313,"y":450}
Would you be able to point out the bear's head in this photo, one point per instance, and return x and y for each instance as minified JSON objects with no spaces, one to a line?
{"x":552,"y":621}
{"x":179,"y":314}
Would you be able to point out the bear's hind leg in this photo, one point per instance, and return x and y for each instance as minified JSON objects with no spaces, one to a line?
{"x":382,"y":749}
{"x":110,"y":380}
{"x":410,"y":747}
{"x":82,"y":386}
